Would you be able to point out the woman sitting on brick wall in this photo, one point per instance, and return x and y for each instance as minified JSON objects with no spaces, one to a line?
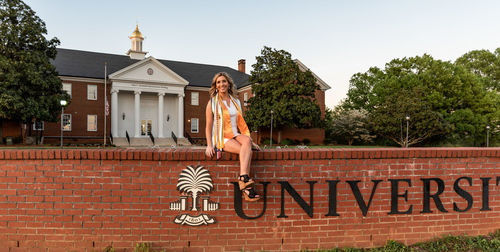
{"x":227,"y":130}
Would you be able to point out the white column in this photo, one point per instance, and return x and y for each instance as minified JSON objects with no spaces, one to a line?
{"x":181,"y":116}
{"x":137,"y":113}
{"x":161,"y":95}
{"x":114,"y":112}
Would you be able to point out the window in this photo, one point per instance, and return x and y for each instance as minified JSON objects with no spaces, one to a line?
{"x":245,"y":99}
{"x":92,"y":92}
{"x":91,"y":122}
{"x":38,"y":126}
{"x":67,"y":88}
{"x":194,"y":125}
{"x":138,"y":46}
{"x":194,"y":98}
{"x":66,"y":122}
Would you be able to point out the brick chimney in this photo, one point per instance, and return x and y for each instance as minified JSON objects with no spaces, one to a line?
{"x":241,"y":65}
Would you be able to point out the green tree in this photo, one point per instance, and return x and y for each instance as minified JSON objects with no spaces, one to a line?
{"x":484,"y":64}
{"x":29,"y":85}
{"x":441,"y":89}
{"x":389,"y":118}
{"x":360,"y":94}
{"x":281,"y":86}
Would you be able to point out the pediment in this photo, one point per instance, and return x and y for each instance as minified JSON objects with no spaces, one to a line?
{"x":148,"y":70}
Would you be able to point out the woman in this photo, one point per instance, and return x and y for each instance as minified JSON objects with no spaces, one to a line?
{"x":226,"y":130}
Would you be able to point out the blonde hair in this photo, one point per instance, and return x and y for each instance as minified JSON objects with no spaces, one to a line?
{"x":213,"y":88}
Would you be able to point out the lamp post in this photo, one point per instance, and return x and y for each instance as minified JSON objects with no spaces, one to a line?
{"x":63,"y":103}
{"x":487,"y":135}
{"x":407,"y":126}
{"x":271,"y":137}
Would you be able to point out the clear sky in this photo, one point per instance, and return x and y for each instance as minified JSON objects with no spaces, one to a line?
{"x":335,"y":39}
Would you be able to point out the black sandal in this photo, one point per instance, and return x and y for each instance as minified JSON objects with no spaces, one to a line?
{"x":245,"y":181}
{"x":250,"y":194}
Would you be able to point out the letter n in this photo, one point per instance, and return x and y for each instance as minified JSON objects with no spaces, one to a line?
{"x":307,"y":208}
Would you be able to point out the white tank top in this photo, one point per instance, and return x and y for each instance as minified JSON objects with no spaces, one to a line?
{"x":233,"y":113}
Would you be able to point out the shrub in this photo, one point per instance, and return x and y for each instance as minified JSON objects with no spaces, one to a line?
{"x":287,"y":141}
{"x":266,"y":141}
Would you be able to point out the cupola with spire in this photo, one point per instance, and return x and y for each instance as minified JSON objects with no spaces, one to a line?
{"x":135,"y":51}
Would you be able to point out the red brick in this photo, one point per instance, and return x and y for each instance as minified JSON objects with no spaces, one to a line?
{"x":138,"y":193}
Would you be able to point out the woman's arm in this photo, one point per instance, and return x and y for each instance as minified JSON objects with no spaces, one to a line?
{"x":208,"y":129}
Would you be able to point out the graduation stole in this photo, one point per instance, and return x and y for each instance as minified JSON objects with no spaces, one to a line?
{"x":218,"y":127}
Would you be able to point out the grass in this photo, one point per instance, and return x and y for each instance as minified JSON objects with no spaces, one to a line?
{"x":139,"y":247}
{"x":326,"y":146}
{"x":486,"y":243}
{"x":464,"y":243}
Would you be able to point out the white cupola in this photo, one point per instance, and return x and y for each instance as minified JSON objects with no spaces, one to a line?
{"x":135,"y":51}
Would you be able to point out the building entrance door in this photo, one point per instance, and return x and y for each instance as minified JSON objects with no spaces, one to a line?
{"x":146,"y":126}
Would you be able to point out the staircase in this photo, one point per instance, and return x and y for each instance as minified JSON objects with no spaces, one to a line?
{"x":141,"y":142}
{"x":120,"y":141}
{"x":146,"y":142}
{"x":165,"y":142}
{"x":183,"y":142}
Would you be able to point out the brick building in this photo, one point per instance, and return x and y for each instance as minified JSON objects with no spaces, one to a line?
{"x":148,"y":99}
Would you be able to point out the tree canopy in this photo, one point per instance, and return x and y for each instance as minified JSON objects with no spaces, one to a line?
{"x":484,"y":64}
{"x":282,"y":87}
{"x":406,"y":111}
{"x":30,"y":88}
{"x":451,"y":102}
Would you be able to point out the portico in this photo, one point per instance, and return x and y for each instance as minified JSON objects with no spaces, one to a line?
{"x":147,"y":98}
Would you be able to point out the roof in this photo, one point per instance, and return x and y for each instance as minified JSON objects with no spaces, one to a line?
{"x":76,"y":63}
{"x":323,"y":86}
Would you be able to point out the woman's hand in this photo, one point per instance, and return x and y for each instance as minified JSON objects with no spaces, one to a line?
{"x":209,"y":151}
{"x":255,"y":146}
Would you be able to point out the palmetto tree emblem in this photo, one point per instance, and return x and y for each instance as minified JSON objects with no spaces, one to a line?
{"x":194,"y":181}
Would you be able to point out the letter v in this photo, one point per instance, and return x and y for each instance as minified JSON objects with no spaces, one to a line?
{"x":359,"y":197}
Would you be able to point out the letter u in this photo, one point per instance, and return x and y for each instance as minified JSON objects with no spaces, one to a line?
{"x":238,"y":202}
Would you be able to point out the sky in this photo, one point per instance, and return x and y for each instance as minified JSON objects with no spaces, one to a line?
{"x":334,"y":39}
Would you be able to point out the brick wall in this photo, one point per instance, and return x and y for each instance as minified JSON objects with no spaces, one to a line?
{"x":320,"y":97}
{"x":195,"y":111}
{"x":10,"y":128}
{"x":84,"y":199}
{"x":79,"y":108}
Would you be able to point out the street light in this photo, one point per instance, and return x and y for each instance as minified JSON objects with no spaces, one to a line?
{"x":407,"y":126}
{"x":63,"y":103}
{"x":257,"y":140}
{"x":487,"y":135}
{"x":271,"y":143}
